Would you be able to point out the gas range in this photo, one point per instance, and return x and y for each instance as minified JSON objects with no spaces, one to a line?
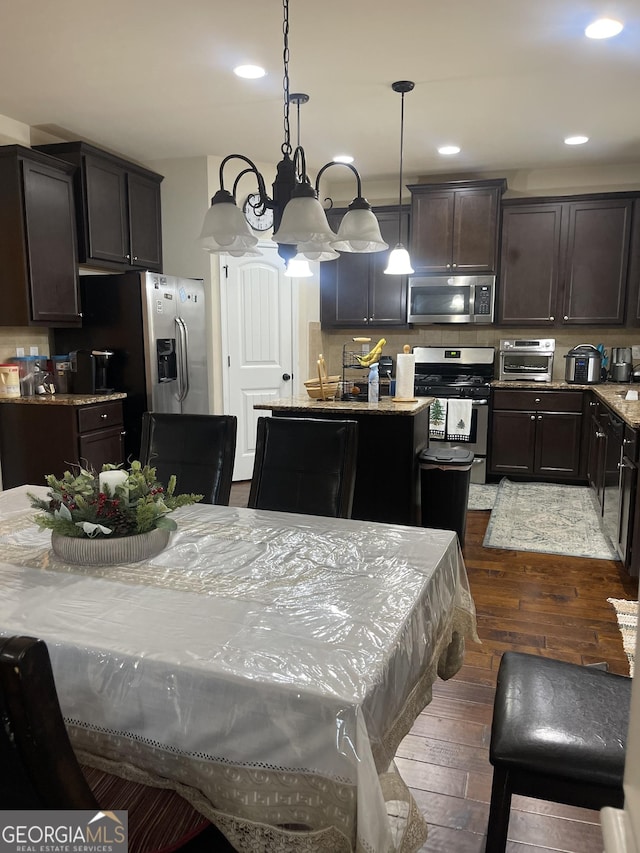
{"x":460,"y":372}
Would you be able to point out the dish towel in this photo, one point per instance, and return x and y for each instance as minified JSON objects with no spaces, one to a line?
{"x":459,"y":420}
{"x":438,"y":417}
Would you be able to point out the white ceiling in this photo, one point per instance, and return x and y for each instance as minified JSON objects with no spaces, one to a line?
{"x":506,"y":80}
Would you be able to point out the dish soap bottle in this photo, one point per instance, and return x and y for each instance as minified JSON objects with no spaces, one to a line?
{"x":374,"y":383}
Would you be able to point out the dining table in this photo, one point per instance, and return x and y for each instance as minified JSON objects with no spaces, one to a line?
{"x":265,"y":665}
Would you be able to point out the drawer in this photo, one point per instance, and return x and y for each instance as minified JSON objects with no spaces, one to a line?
{"x":538,"y":401}
{"x":99,"y":416}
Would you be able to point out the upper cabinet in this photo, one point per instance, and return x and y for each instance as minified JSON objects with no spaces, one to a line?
{"x":118,"y":205}
{"x":38,"y":275}
{"x":565,"y":261}
{"x":454,"y":226}
{"x":354,"y":290}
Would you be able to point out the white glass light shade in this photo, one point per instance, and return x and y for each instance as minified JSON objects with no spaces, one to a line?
{"x":298,"y":267}
{"x":359,"y":232}
{"x":317,"y":250}
{"x":226,"y":230}
{"x":303,"y":221}
{"x":399,"y":262}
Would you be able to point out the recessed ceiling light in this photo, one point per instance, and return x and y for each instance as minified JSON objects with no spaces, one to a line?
{"x":249,"y":72}
{"x":576,"y":140}
{"x":343,"y":158}
{"x":603,"y":28}
{"x":448,"y":149}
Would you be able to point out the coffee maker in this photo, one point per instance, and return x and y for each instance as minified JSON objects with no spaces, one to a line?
{"x":89,"y":371}
{"x":102,"y":358}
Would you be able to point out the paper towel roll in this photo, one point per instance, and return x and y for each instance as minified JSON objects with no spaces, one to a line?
{"x":405,"y":375}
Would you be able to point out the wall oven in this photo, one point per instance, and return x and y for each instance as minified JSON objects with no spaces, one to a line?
{"x":451,"y":299}
{"x":527,"y":359}
{"x":460,"y":373}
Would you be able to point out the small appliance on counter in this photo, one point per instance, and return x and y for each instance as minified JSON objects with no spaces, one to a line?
{"x":527,"y":359}
{"x":621,"y":364}
{"x":583,"y":365}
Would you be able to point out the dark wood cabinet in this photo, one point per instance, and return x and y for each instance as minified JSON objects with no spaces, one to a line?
{"x":536,"y":433}
{"x":38,"y":274}
{"x":118,"y":209}
{"x":565,"y":261}
{"x":354,"y":290}
{"x":454,"y":226}
{"x":46,"y":437}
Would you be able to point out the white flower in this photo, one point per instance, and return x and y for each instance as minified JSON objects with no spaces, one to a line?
{"x":93,"y":529}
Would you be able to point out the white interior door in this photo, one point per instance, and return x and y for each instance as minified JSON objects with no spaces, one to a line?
{"x":257,"y":305}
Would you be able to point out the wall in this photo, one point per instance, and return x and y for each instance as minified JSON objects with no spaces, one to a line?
{"x":330,"y":343}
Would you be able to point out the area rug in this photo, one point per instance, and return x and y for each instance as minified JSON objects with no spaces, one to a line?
{"x":546,"y":517}
{"x":627,"y":616}
{"x":482,"y":496}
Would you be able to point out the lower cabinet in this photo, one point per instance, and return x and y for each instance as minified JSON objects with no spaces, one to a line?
{"x":46,"y":437}
{"x":536,"y":433}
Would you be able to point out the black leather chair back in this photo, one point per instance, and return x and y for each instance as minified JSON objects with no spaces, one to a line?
{"x":198,"y":449}
{"x":305,"y":465}
{"x":38,"y":768}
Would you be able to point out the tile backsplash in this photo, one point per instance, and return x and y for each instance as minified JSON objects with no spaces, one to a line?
{"x":19,"y":336}
{"x":330,"y":342}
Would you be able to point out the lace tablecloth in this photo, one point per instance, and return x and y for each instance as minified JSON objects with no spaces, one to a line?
{"x":266,"y":665}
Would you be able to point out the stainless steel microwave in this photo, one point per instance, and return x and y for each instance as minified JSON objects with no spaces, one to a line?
{"x":451,"y":299}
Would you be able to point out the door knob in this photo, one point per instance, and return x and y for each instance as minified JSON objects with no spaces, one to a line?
{"x":286,"y":376}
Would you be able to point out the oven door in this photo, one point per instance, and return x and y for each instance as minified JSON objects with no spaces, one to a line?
{"x":477,"y":440}
{"x":523,"y":365}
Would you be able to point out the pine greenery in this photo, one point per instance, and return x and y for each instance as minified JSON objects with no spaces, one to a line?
{"x":75,"y":506}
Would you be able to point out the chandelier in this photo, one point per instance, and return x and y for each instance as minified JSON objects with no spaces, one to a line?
{"x":301,"y":228}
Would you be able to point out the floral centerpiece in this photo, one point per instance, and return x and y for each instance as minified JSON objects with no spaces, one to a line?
{"x":84,"y":509}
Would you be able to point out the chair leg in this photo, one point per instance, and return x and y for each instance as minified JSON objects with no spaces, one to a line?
{"x":499,"y":812}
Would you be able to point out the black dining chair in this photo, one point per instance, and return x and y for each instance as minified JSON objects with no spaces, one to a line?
{"x":559,"y":732}
{"x":39,"y":769}
{"x":305,"y":465}
{"x":198,"y":449}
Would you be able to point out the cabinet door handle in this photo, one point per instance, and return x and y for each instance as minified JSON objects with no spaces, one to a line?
{"x":539,"y":417}
{"x":537,"y":400}
{"x":104,"y":417}
{"x":533,"y":417}
{"x":565,"y":317}
{"x":448,"y":266}
{"x":552,"y":318}
{"x":123,"y":432}
{"x":600,"y":435}
{"x":592,"y":403}
{"x":135,"y":257}
{"x":626,"y":441}
{"x":127,"y":257}
{"x":454,"y":265}
{"x":364,"y":319}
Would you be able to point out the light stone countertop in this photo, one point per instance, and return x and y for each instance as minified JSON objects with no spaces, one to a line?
{"x":611,"y":393}
{"x":385,"y":406}
{"x":65,"y":399}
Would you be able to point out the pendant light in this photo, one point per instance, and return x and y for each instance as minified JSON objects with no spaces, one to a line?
{"x":300,"y":223}
{"x":399,"y":260}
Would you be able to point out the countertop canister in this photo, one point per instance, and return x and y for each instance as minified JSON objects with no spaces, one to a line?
{"x":9,"y":380}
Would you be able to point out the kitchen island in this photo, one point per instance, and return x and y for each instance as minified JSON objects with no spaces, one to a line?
{"x":390,"y":438}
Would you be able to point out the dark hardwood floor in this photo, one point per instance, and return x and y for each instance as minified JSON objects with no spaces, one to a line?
{"x":538,"y":603}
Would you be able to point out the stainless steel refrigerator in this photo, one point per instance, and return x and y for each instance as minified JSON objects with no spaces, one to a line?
{"x":155,"y":325}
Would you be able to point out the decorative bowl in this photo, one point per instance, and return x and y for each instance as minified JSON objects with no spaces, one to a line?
{"x":110,"y":552}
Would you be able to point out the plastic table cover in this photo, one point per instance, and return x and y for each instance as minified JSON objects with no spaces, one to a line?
{"x":265,"y":665}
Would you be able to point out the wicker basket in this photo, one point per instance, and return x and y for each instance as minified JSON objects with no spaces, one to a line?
{"x":327,"y":391}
